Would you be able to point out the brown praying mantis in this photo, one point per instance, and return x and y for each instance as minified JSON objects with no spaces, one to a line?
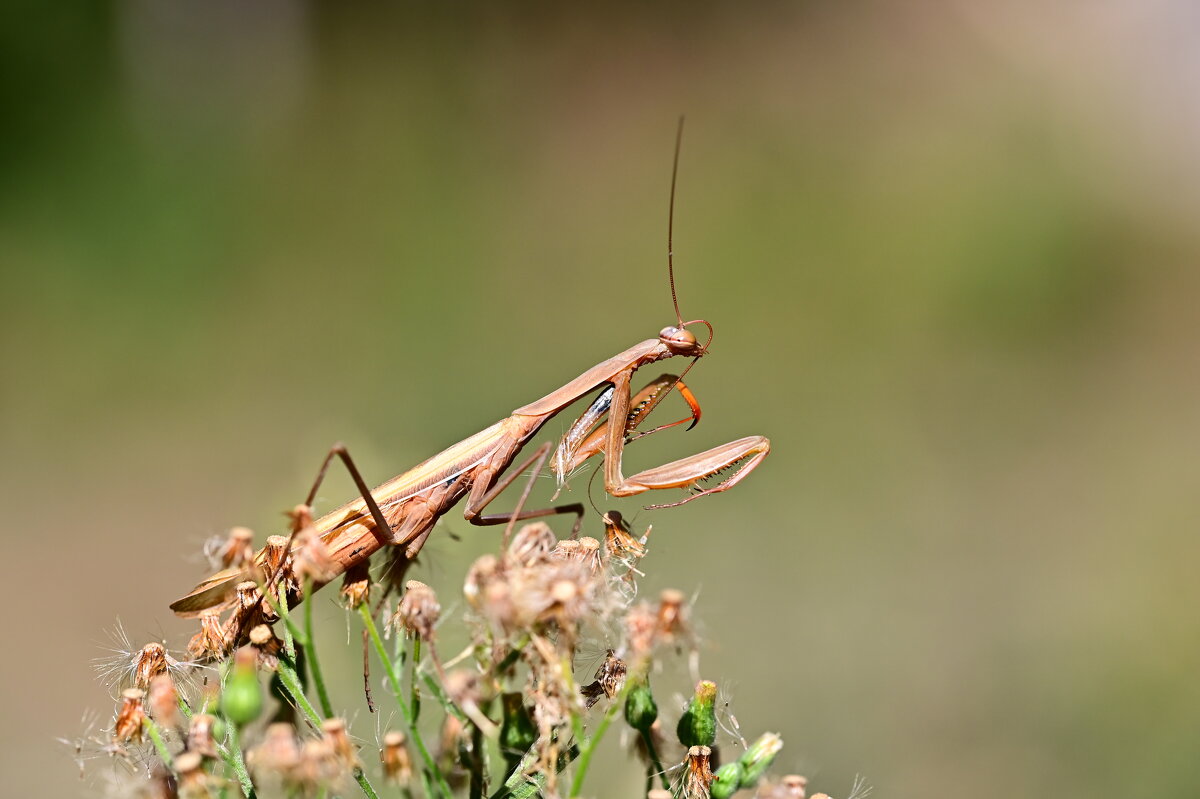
{"x":403,"y":511}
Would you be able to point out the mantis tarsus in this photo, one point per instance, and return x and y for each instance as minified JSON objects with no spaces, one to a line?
{"x":404,"y":510}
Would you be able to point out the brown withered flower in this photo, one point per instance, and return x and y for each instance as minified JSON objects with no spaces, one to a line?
{"x":130,"y":716}
{"x":418,"y":610}
{"x":209,"y":643}
{"x":312,"y":562}
{"x":697,"y":775}
{"x":200,"y":735}
{"x":277,"y":755}
{"x":233,"y":551}
{"x":791,"y":786}
{"x":531,"y":545}
{"x":267,"y":646}
{"x":163,"y":699}
{"x":194,"y":782}
{"x":396,"y":760}
{"x":356,"y":585}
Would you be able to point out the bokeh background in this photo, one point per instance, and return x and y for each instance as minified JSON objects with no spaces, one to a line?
{"x":949,"y":249}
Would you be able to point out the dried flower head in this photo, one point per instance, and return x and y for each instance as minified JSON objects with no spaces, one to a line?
{"x":267,"y":645}
{"x":396,"y":760}
{"x":200,"y":737}
{"x":312,"y":562}
{"x":333,"y":732}
{"x":531,"y":545}
{"x":231,"y":551}
{"x":130,"y":716}
{"x":356,"y":585}
{"x":482,"y":573}
{"x":589,"y":554}
{"x":209,"y":643}
{"x":194,"y":781}
{"x":697,"y":775}
{"x":791,"y":786}
{"x":164,"y":702}
{"x":129,"y":667}
{"x":277,"y":755}
{"x":418,"y":611}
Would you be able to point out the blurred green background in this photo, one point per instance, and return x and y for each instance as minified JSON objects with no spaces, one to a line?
{"x":948,"y":247}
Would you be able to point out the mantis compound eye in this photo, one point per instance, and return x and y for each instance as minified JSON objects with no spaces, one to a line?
{"x":680,"y":340}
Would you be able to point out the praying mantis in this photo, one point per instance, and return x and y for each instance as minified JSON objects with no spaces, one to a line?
{"x":403,"y":511}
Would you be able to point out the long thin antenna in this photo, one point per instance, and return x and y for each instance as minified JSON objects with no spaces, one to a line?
{"x":671,"y":223}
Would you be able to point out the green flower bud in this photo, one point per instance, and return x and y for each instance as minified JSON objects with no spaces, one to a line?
{"x":757,"y":759}
{"x":641,"y":710}
{"x":242,"y":699}
{"x":727,"y":780}
{"x":698,"y":724}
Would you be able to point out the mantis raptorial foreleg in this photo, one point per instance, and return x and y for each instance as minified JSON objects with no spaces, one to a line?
{"x":683,"y":473}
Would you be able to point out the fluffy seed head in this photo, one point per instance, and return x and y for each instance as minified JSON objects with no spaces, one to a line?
{"x":356,"y":585}
{"x":532,"y":544}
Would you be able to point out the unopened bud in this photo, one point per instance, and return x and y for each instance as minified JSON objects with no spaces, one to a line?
{"x":641,"y":710}
{"x":757,"y":759}
{"x":727,"y":780}
{"x":242,"y":699}
{"x":698,"y":724}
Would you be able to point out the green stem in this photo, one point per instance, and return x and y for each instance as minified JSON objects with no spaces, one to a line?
{"x":652,"y":750}
{"x":290,"y":630}
{"x":238,"y":763}
{"x":588,"y":747}
{"x":367,"y":788}
{"x":291,"y":683}
{"x":156,"y":736}
{"x":397,"y":689}
{"x":310,"y":650}
{"x":415,"y":703}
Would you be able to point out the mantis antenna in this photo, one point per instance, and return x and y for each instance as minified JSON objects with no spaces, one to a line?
{"x":671,"y":223}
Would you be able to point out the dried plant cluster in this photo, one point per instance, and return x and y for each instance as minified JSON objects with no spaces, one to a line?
{"x":247,"y":711}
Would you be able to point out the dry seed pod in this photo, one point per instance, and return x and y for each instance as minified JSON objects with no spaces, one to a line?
{"x":130,"y":716}
{"x":210,"y":641}
{"x":278,"y":754}
{"x":356,"y":585}
{"x":164,"y":702}
{"x":200,"y":736}
{"x":397,"y":763}
{"x":530,"y":545}
{"x":418,"y":610}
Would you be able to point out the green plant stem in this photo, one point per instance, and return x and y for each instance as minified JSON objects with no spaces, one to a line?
{"x":156,"y":737}
{"x":290,"y":630}
{"x":398,"y":691}
{"x":588,"y":747}
{"x":652,"y":750}
{"x":310,"y":650}
{"x":415,"y":702}
{"x":291,"y":683}
{"x":238,"y":763}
